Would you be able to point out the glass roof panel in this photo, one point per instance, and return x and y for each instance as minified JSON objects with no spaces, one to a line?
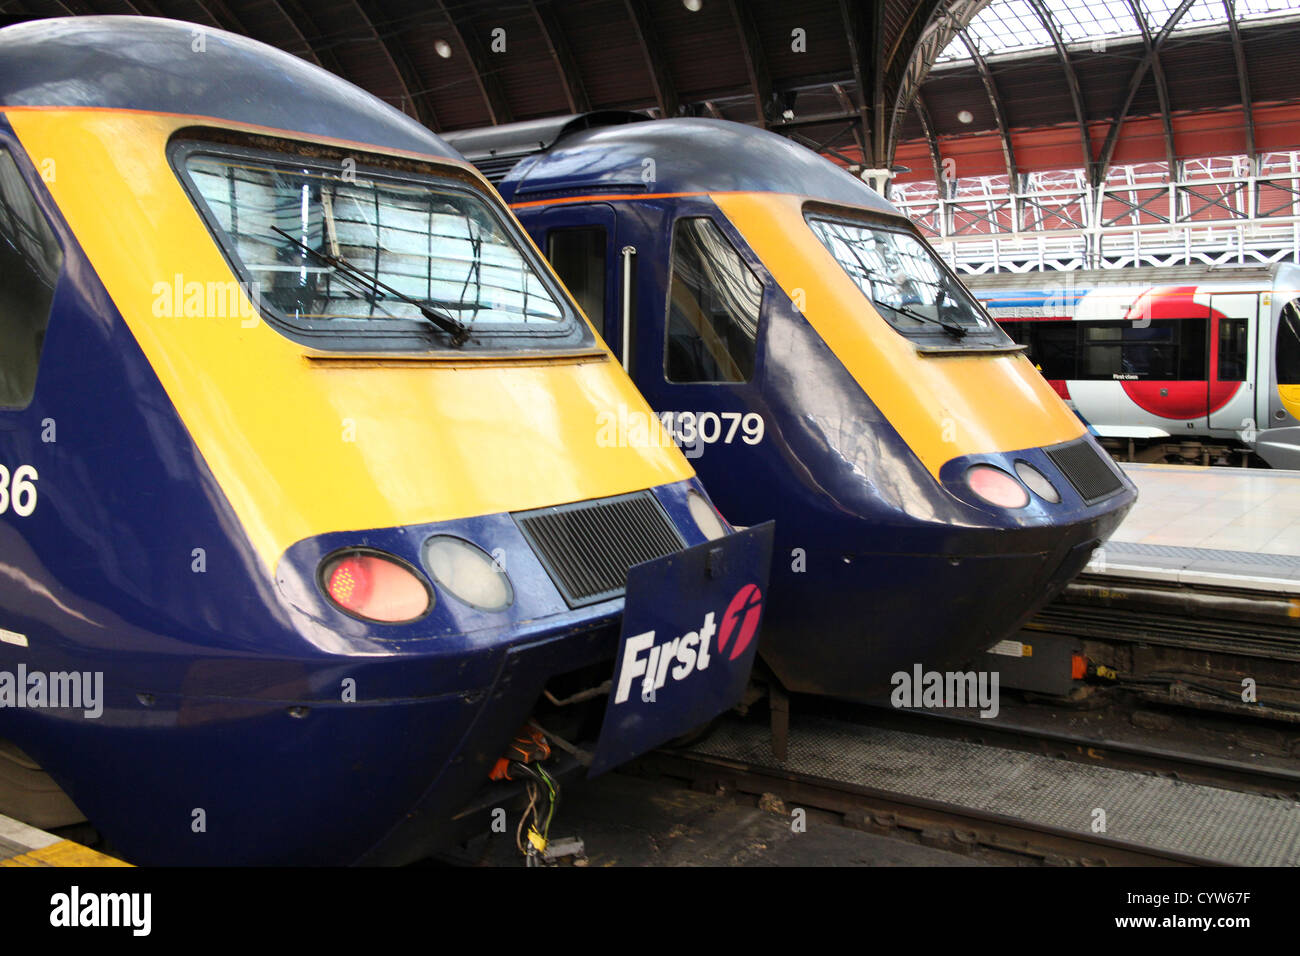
{"x":1012,"y":26}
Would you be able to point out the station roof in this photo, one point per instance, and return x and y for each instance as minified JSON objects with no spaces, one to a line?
{"x":858,"y":80}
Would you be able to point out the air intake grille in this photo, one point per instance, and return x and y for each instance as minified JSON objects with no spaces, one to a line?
{"x":588,"y":547}
{"x":1092,"y":474}
{"x":495,"y":168}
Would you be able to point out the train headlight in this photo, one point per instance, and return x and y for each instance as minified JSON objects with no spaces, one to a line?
{"x":1038,"y":482}
{"x":375,"y":586}
{"x":468,"y":573}
{"x":996,"y":487}
{"x":706,"y":519}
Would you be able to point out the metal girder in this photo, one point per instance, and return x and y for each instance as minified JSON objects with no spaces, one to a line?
{"x":934,"y":25}
{"x":1135,"y":206}
{"x":995,"y":102}
{"x":557,"y":44}
{"x":1043,"y":210}
{"x":1071,"y":79}
{"x":143,"y":8}
{"x":656,"y":64}
{"x":927,"y":126}
{"x":878,"y":64}
{"x":1228,"y":192}
{"x":1112,"y":136}
{"x":310,"y":53}
{"x":222,"y":16}
{"x":824,"y":146}
{"x":1222,"y":220}
{"x":760,"y":79}
{"x":1162,"y":88}
{"x":817,"y":119}
{"x":407,"y":78}
{"x":294,"y":12}
{"x":71,"y":8}
{"x":1243,"y":77}
{"x":974,"y":216}
{"x":489,"y":85}
{"x":846,"y":104}
{"x":863,"y":59}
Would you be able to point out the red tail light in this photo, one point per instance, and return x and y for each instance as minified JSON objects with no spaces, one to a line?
{"x":375,"y":587}
{"x":996,"y":487}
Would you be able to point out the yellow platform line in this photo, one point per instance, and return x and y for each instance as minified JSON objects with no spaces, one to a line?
{"x":63,"y":853}
{"x":45,"y":849}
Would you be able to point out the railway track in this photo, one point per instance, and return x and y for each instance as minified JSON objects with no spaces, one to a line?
{"x":940,"y":824}
{"x":1138,"y":781}
{"x":1251,"y":777}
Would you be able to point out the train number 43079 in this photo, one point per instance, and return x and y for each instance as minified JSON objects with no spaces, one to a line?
{"x":18,"y":490}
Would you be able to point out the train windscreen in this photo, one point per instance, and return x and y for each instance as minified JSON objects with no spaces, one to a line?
{"x":336,"y":250}
{"x":912,"y":289}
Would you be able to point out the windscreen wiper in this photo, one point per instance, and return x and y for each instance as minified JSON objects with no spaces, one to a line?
{"x":458,"y":331}
{"x":954,"y":330}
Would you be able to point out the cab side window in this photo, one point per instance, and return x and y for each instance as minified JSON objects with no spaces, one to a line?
{"x":30,"y":260}
{"x":713,"y":308}
{"x":578,"y":257}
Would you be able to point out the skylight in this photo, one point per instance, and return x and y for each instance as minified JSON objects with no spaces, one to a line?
{"x":1012,"y":26}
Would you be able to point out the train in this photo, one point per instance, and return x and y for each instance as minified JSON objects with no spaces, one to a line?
{"x":304,"y":512}
{"x":1181,"y":364}
{"x":821,"y":366}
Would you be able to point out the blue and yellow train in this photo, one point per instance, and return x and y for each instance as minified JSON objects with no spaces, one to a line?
{"x":825,"y":368}
{"x":302,"y":498}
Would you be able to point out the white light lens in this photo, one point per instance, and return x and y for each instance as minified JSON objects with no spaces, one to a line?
{"x":1037,"y":482}
{"x":468,"y":573}
{"x":706,"y":519}
{"x":996,"y":487}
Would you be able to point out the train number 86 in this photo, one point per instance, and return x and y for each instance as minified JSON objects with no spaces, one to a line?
{"x":21,"y":492}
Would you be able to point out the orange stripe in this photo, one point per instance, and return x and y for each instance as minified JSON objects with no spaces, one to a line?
{"x":607,"y":197}
{"x":254,"y":127}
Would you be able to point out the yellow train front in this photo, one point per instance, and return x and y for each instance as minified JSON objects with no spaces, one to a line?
{"x":825,"y":368}
{"x":303,"y":492}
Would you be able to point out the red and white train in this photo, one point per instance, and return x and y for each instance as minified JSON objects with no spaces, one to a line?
{"x":1191,"y":364}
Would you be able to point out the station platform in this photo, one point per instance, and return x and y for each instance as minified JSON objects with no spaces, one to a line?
{"x":1194,"y":601}
{"x":21,"y":845}
{"x":1234,"y":528}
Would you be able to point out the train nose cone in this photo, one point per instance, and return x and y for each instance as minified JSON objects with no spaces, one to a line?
{"x":879,"y":614}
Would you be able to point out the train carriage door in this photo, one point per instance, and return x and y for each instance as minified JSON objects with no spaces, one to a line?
{"x":581,"y":242}
{"x":1233,"y":334}
{"x":1284,"y":399}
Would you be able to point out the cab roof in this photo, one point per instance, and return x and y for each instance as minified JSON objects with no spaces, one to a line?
{"x":683,"y":155}
{"x":152,"y":64}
